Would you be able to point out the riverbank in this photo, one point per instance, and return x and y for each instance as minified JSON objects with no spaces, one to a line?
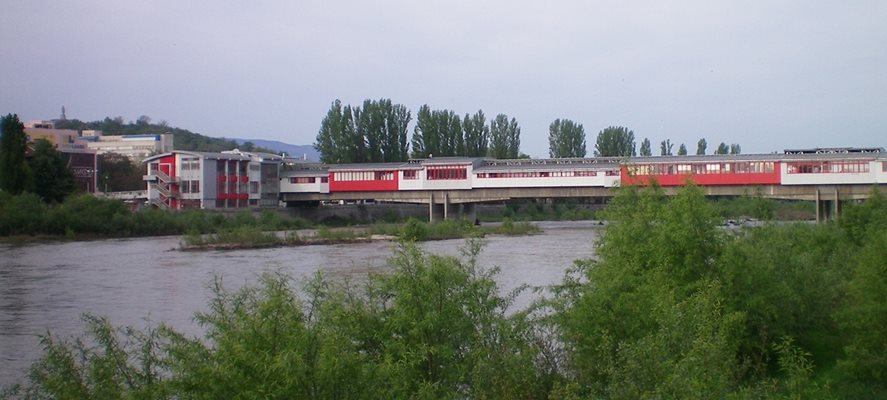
{"x":413,"y":230}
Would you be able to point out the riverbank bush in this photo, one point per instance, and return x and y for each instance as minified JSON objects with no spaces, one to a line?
{"x":672,"y":306}
{"x":86,"y":216}
{"x":433,"y":327}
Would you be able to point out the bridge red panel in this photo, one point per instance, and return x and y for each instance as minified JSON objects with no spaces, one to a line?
{"x":372,"y":185}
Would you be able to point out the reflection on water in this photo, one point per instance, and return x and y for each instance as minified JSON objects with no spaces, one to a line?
{"x":137,"y":282}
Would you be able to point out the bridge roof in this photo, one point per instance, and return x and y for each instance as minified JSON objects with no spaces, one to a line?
{"x":368,"y":166}
{"x":754,"y":157}
{"x":530,"y":167}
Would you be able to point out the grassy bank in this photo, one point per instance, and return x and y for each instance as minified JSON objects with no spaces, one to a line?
{"x":250,"y":237}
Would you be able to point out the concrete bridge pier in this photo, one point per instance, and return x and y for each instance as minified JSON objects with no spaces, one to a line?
{"x":828,"y":205}
{"x":438,"y":207}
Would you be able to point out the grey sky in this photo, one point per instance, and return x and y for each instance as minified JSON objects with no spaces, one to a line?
{"x":766,"y":74}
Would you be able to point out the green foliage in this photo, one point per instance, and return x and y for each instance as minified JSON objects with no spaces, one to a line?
{"x":787,"y":280}
{"x":437,"y":133}
{"x":117,"y":172}
{"x":654,"y":265}
{"x":748,"y":207}
{"x":682,"y":150}
{"x":432,"y":327}
{"x":864,"y":319}
{"x":615,"y":141}
{"x":722,"y":149}
{"x":701,"y":146}
{"x":375,"y":133}
{"x":477,"y":134}
{"x":15,"y":175}
{"x":504,"y":138}
{"x":53,"y":181}
{"x":665,"y":148}
{"x":646,"y":150}
{"x":566,"y":139}
{"x":414,"y":230}
{"x":86,"y":215}
{"x":111,"y":364}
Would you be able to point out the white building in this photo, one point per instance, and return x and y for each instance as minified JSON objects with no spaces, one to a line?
{"x":230,"y":179}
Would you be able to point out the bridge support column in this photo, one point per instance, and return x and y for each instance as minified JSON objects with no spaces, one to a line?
{"x":437,"y":211}
{"x":827,"y":209}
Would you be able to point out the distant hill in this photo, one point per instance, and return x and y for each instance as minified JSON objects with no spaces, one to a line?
{"x":291,"y":150}
{"x":183,"y":139}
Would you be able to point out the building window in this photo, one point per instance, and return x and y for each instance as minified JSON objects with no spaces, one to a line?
{"x":303,"y":179}
{"x":254,"y":187}
{"x":324,"y":179}
{"x":345,"y":176}
{"x":828,"y":167}
{"x":410,"y":174}
{"x":447,"y":172}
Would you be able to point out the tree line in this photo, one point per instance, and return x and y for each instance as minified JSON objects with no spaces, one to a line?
{"x":39,"y":169}
{"x":377,"y":132}
{"x":671,"y":306}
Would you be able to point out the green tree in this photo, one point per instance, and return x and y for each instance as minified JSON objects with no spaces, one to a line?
{"x":665,"y":147}
{"x":646,"y":150}
{"x":426,"y":134}
{"x":437,"y":133}
{"x":682,"y":150}
{"x":370,"y":128}
{"x":645,"y":319}
{"x":504,"y":138}
{"x":452,"y":140}
{"x":700,"y":147}
{"x":15,"y":175}
{"x":615,"y":141}
{"x":354,"y":143}
{"x":117,"y":172}
{"x":722,"y":149}
{"x":53,"y":181}
{"x":330,"y":141}
{"x":566,"y":139}
{"x":735,"y":148}
{"x":477,"y":134}
{"x":395,"y":146}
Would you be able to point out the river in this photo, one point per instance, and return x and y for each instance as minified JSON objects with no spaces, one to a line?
{"x":141,"y":281}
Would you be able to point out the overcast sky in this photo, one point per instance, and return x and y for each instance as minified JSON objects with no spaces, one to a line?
{"x":765,"y":74}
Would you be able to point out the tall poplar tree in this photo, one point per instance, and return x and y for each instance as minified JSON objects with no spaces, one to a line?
{"x":646,"y":149}
{"x":665,"y":147}
{"x":504,"y":138}
{"x":700,"y":147}
{"x":425,"y":134}
{"x":566,"y":139}
{"x":397,"y":119}
{"x":476,"y":134}
{"x":330,"y":140}
{"x":15,"y":175}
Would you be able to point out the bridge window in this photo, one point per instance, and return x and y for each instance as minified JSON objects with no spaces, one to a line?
{"x":303,"y":179}
{"x":828,"y":167}
{"x":447,"y":172}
